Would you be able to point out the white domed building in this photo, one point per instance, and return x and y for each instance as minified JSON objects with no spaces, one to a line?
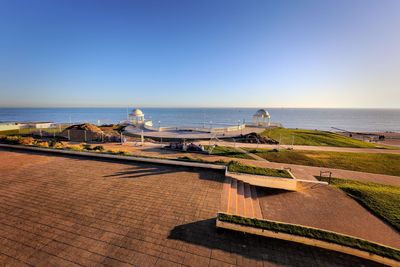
{"x":262,"y":118}
{"x":136,"y":117}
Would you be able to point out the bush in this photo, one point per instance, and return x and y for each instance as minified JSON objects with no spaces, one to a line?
{"x":87,"y":147}
{"x":221,"y":162}
{"x":74,"y":148}
{"x":55,"y":144}
{"x":98,"y":148}
{"x":27,"y":141}
{"x":12,"y":140}
{"x":42,"y":144}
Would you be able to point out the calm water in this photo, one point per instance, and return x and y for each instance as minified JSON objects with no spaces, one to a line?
{"x":324,"y":119}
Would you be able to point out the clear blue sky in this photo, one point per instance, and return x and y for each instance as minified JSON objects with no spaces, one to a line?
{"x":339,"y":53}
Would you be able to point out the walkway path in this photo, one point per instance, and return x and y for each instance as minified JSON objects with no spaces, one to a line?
{"x":254,"y":156}
{"x":300,"y":171}
{"x":309,"y":172}
{"x":308,"y":148}
{"x":324,"y":207}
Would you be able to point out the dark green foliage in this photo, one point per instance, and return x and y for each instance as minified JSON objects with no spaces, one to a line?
{"x":234,"y":166}
{"x":227,"y":152}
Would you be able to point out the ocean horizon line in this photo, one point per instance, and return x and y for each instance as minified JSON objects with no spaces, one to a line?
{"x":188,"y":107}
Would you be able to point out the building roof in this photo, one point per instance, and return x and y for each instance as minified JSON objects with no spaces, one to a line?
{"x":137,"y":112}
{"x":261,"y":113}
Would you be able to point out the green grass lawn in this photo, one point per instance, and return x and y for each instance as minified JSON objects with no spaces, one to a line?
{"x":314,"y":138}
{"x":228,"y":152}
{"x":365,"y":162}
{"x":382,"y":200}
{"x":235,"y":166}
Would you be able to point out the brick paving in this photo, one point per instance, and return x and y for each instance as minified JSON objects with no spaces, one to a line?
{"x":71,"y":211}
{"x":322,"y":206}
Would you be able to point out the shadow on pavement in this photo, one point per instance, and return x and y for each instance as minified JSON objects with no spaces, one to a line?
{"x":204,"y":233}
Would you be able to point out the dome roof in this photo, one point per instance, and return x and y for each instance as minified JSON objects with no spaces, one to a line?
{"x":137,"y":112}
{"x":261,"y":113}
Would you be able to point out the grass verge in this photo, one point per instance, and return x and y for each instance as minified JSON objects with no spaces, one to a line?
{"x":234,"y":166}
{"x":365,"y":162}
{"x":314,"y":138}
{"x":381,"y":200}
{"x":314,"y":233}
{"x":227,"y":152}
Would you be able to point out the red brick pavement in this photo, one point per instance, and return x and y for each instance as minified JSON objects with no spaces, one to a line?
{"x":71,"y":211}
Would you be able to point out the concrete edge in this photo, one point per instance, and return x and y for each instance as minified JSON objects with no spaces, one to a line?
{"x":312,"y":182}
{"x":309,"y":241}
{"x":260,"y":176}
{"x":291,"y":174}
{"x":119,"y":157}
{"x":265,"y":181}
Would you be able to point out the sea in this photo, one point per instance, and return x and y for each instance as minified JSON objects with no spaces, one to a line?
{"x":362,"y":120}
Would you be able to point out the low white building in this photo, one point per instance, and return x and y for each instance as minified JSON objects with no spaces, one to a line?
{"x":37,"y":125}
{"x":9,"y":126}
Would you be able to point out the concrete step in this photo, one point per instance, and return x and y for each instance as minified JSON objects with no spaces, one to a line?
{"x":256,"y":204}
{"x":240,"y":199}
{"x":226,"y":189}
{"x":232,"y":206}
{"x":248,"y":204}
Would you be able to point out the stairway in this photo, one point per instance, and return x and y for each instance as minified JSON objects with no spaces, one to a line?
{"x":239,"y":198}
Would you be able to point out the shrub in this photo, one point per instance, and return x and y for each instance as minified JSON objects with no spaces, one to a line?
{"x":27,"y":141}
{"x":12,"y":140}
{"x":221,"y":162}
{"x":58,"y":145}
{"x":87,"y":147}
{"x":74,"y":148}
{"x":43,"y":144}
{"x":98,"y":148}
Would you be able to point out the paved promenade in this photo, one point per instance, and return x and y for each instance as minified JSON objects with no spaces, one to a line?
{"x":300,"y":171}
{"x":309,"y":172}
{"x":307,"y":148}
{"x":324,"y":207}
{"x":73,"y":211}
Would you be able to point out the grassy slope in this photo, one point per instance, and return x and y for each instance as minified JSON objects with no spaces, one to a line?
{"x":235,"y":166}
{"x":382,"y":200}
{"x":313,"y":233}
{"x":314,"y":138}
{"x":365,"y":162}
{"x":228,"y":152}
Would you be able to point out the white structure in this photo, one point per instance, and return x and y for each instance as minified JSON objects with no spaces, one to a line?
{"x":136,"y":116}
{"x":262,"y":118}
{"x":38,"y":125}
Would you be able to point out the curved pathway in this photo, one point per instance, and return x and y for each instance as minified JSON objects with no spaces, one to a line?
{"x":308,"y":148}
{"x":308,"y":172}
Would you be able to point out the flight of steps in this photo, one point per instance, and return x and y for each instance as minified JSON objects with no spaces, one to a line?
{"x":239,"y":198}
